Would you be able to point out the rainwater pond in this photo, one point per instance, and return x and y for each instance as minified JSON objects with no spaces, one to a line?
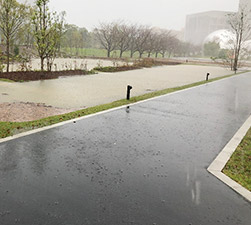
{"x":89,"y":90}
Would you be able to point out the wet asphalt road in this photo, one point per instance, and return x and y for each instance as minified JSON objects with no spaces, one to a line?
{"x":144,"y":165}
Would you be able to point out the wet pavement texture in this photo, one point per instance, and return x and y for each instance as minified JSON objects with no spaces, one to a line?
{"x":140,"y":165}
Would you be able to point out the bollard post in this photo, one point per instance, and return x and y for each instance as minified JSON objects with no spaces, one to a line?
{"x":129,"y":88}
{"x":208,"y":74}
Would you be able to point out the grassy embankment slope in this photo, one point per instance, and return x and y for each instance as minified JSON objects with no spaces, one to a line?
{"x":239,"y":166}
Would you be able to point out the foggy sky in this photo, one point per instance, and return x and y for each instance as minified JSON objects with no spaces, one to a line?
{"x":169,"y":14}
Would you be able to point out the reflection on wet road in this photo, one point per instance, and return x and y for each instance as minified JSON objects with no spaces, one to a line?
{"x":140,"y":165}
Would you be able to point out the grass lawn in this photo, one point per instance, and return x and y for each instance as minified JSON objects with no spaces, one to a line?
{"x":239,"y":166}
{"x":6,"y":80}
{"x":11,"y":128}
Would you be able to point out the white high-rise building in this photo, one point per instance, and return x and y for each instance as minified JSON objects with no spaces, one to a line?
{"x":200,"y":25}
{"x":246,"y":5}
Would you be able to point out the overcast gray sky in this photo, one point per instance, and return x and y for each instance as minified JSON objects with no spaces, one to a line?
{"x":168,"y":14}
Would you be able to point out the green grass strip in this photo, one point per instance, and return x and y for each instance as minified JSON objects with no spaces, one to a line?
{"x":6,"y":80}
{"x":12,"y":128}
{"x":239,"y":166}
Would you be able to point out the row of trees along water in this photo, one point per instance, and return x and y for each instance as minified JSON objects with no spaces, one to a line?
{"x":141,"y":39}
{"x":35,"y":31}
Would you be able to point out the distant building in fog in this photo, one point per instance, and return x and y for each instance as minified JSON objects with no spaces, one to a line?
{"x":245,"y":3}
{"x":200,"y":25}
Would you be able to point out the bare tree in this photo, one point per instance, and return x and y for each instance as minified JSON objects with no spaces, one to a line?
{"x":142,"y":37}
{"x":172,"y":43}
{"x":107,"y":34}
{"x":240,"y":24}
{"x":133,"y":30}
{"x":151,"y":43}
{"x":12,"y":16}
{"x":166,"y":43}
{"x":123,"y":42}
{"x":163,"y":42}
{"x":158,"y":44}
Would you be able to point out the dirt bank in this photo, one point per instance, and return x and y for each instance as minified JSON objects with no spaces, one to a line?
{"x":39,"y":75}
{"x":26,"y":111}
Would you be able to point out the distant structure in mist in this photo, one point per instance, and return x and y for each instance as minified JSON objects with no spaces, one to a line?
{"x":200,"y":25}
{"x":245,"y":3}
{"x":222,"y":37}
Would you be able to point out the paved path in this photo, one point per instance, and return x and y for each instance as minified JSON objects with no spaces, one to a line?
{"x":143,"y":165}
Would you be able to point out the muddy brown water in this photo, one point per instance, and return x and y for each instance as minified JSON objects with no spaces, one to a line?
{"x":85,"y":91}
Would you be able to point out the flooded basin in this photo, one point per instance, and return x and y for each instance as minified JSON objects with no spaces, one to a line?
{"x":85,"y":91}
{"x":69,"y":63}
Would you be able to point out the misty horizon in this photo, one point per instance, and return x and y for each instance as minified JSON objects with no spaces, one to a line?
{"x":164,"y":14}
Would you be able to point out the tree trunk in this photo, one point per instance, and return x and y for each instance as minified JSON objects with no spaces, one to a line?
{"x":132,"y":53}
{"x":108,"y":53}
{"x":48,"y":65}
{"x":42,"y":63}
{"x":156,"y":55}
{"x":149,"y":54}
{"x":236,"y":56}
{"x":140,"y":55}
{"x":236,"y":64}
{"x":8,"y":53}
{"x":121,"y":54}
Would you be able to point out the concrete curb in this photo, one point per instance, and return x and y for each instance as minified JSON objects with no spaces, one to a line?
{"x":221,"y":160}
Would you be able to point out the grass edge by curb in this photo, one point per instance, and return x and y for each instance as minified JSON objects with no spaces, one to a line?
{"x":239,"y":165}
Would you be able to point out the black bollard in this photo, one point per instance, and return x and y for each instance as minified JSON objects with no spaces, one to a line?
{"x":129,"y":88}
{"x":207,"y":76}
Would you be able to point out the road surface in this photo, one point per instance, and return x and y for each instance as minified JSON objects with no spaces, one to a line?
{"x":141,"y":165}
